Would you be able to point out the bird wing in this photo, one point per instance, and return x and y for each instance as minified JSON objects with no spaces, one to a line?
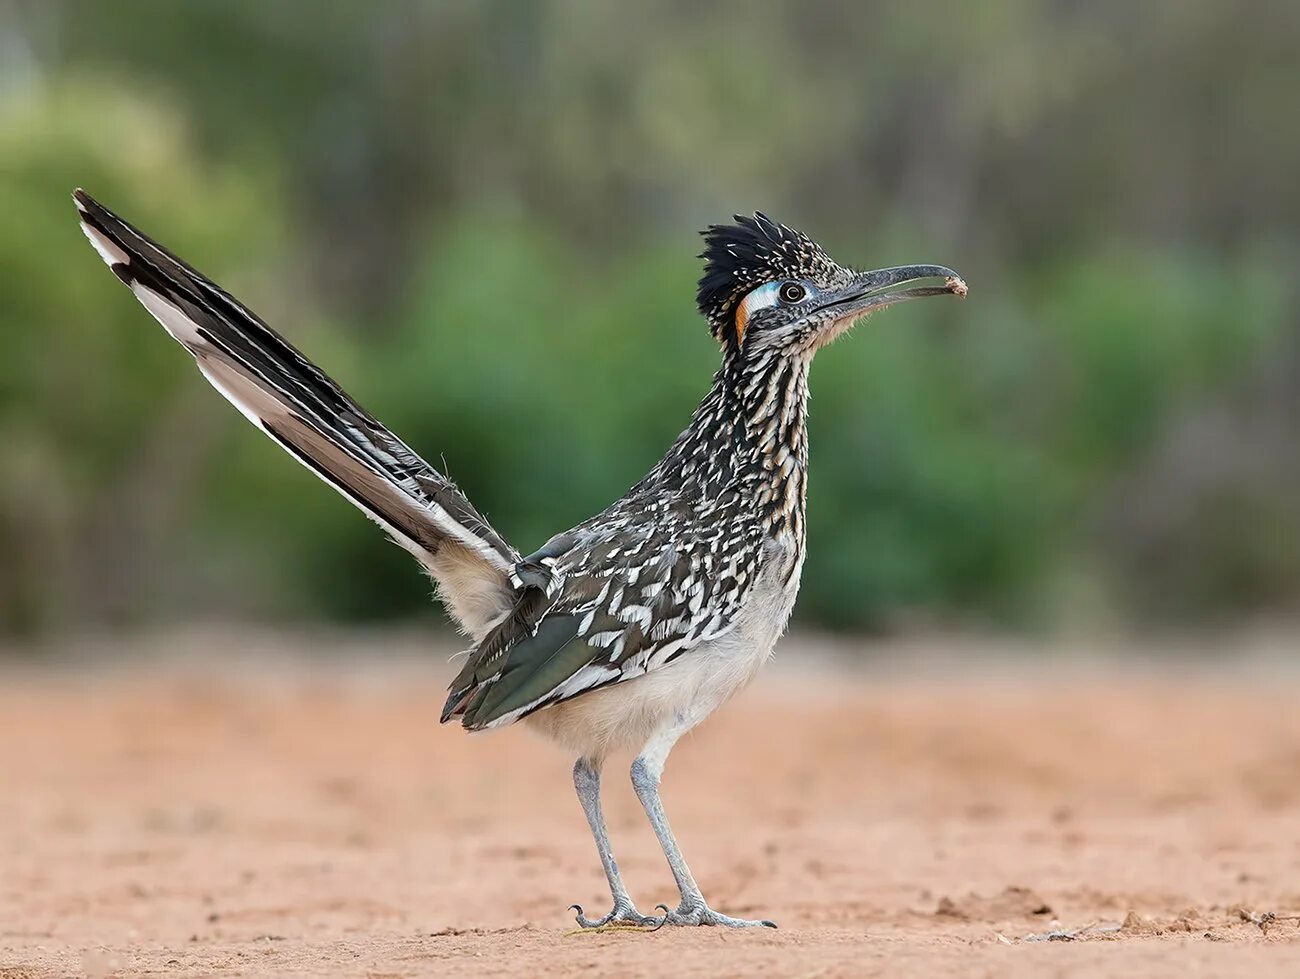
{"x":600,"y":607}
{"x":297,"y":405}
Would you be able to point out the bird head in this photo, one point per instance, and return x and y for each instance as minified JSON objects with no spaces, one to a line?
{"x":768,"y":289}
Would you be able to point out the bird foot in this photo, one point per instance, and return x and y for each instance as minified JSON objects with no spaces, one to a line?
{"x":701,"y":914}
{"x":623,"y":916}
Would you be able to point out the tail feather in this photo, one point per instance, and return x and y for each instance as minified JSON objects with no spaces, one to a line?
{"x":295,"y":403}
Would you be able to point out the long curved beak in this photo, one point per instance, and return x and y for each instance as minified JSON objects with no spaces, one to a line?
{"x":874,"y":290}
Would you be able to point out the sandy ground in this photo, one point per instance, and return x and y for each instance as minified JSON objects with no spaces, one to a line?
{"x":249,"y":813}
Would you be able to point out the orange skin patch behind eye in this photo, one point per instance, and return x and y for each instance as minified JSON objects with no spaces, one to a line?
{"x":759,"y":298}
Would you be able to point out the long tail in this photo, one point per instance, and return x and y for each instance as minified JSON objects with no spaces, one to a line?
{"x":296,"y":404}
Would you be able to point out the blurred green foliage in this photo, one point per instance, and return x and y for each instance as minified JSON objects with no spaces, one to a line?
{"x":478,"y":218}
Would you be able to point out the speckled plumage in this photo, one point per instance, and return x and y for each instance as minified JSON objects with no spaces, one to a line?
{"x":669,"y":566}
{"x":753,"y":251}
{"x":630,"y":628}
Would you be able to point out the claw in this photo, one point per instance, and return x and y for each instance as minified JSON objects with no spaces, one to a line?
{"x":621,"y":917}
{"x":664,"y":920}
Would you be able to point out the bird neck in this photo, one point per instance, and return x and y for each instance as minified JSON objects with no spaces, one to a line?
{"x":748,"y":436}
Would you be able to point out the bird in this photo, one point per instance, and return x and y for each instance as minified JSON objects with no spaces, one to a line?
{"x":628,"y":630}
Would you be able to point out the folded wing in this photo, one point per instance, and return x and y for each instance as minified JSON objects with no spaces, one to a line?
{"x":601,"y":604}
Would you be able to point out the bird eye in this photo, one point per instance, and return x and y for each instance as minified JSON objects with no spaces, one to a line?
{"x":792,"y":292}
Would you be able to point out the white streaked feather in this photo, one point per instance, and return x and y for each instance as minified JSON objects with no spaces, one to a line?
{"x":108,"y":251}
{"x":182,"y":329}
{"x":639,"y":614}
{"x":185,"y":331}
{"x":257,"y":406}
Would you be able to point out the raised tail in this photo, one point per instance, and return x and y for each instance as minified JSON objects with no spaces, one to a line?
{"x":296,"y":404}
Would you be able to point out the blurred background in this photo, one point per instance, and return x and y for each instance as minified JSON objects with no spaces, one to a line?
{"x":481,"y":219}
{"x":1051,"y":609}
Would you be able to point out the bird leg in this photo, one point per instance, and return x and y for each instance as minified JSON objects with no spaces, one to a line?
{"x":693,"y":910}
{"x":586,"y":779}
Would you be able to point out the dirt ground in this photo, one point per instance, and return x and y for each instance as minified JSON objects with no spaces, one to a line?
{"x":249,"y":809}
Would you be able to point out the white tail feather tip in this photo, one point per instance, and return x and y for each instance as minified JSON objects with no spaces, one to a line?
{"x":180,"y":326}
{"x":108,"y":251}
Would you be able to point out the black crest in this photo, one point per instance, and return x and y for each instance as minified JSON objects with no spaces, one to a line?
{"x":742,"y":256}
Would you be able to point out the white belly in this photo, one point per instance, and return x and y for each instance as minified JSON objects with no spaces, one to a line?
{"x":685,"y":691}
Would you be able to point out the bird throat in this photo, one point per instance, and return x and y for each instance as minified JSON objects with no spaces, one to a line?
{"x":772,"y":405}
{"x":747,"y":442}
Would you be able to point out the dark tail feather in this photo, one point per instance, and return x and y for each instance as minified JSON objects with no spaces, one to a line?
{"x":295,"y":403}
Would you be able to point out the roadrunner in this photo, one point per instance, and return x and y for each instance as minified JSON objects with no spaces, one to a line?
{"x":628,"y":630}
